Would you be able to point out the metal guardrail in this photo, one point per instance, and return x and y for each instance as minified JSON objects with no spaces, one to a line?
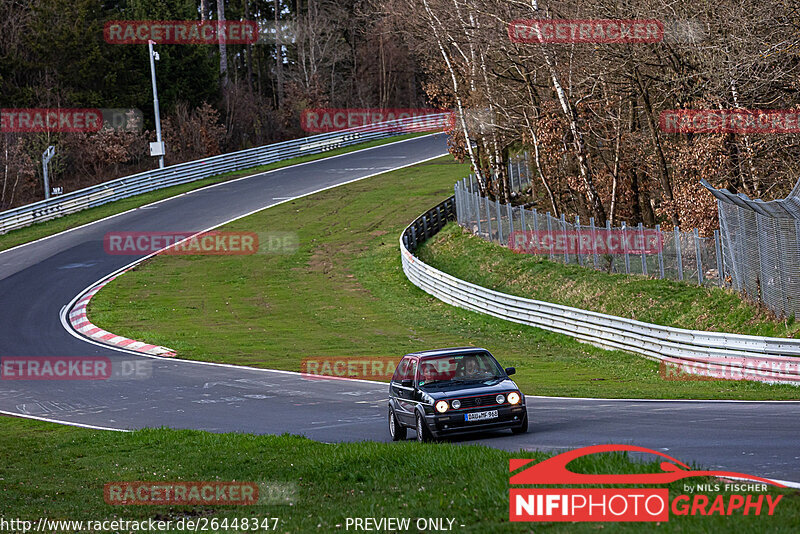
{"x":181,"y":173}
{"x":732,"y":355}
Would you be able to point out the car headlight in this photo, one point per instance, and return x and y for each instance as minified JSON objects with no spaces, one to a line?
{"x":441,"y":406}
{"x":500,"y":399}
{"x":456,"y":404}
{"x":513,"y":397}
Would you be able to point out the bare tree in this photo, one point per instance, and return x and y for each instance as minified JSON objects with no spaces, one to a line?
{"x":223,"y":49}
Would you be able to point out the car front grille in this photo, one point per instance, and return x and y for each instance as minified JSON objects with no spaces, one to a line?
{"x":472,"y":402}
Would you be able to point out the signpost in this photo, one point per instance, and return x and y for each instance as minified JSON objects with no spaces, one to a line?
{"x":157,"y":148}
{"x":46,"y":157}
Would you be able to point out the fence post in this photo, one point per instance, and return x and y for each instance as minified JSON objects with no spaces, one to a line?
{"x":718,"y":252}
{"x":466,"y":206}
{"x":510,"y":210}
{"x":594,"y":244}
{"x":476,"y":199}
{"x":526,"y":157}
{"x":660,"y":251}
{"x":625,"y":248}
{"x":461,"y":201}
{"x":550,"y":233}
{"x":678,"y":255}
{"x":488,"y":218}
{"x":564,"y":229}
{"x":522,"y":219}
{"x":499,"y":221}
{"x":611,"y":257}
{"x":457,"y":193}
{"x":580,"y":242}
{"x":699,"y":257}
{"x":644,"y":256}
{"x":519,"y":174}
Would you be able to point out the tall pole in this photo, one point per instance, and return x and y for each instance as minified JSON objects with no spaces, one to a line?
{"x":46,"y":157}
{"x":155,"y":103}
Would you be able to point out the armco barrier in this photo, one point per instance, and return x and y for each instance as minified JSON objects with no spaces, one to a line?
{"x":749,"y":357}
{"x":196,"y":170}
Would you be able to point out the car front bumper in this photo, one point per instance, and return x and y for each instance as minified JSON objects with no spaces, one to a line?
{"x":453,"y":422}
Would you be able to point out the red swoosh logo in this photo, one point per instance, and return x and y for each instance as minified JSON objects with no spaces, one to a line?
{"x":554,"y":470}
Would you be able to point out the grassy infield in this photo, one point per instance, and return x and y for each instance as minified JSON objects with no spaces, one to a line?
{"x":343,"y":293}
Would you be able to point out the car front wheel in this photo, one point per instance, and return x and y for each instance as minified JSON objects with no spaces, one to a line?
{"x":523,"y":428}
{"x":396,"y":430}
{"x":423,"y":434}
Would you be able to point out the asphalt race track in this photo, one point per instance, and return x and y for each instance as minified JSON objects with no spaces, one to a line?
{"x":38,"y":279}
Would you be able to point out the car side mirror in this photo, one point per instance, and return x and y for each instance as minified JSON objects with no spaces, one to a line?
{"x":511,"y":370}
{"x":407,"y":383}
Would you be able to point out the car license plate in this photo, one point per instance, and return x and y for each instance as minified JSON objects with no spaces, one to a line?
{"x":480,"y":416}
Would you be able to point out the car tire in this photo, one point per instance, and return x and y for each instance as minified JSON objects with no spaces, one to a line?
{"x":423,"y":434}
{"x":523,"y":428}
{"x":396,"y":430}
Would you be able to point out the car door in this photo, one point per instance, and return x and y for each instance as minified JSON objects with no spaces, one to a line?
{"x":402,"y":390}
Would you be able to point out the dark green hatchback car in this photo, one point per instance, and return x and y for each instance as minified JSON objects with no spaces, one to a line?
{"x":445,"y":392}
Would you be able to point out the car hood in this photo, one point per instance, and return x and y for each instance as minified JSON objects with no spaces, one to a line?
{"x":468,"y":390}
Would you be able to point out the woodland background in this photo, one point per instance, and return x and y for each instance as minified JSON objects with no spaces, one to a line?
{"x":586,"y":113}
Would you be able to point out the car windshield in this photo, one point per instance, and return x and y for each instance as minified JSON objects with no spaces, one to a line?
{"x":480,"y":367}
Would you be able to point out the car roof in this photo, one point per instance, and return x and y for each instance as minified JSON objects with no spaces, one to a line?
{"x":453,"y":351}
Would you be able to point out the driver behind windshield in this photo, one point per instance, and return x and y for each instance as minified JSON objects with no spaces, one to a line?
{"x":427,"y":373}
{"x":471,"y":367}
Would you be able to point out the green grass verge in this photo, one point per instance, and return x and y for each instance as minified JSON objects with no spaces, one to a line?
{"x":343,"y":293}
{"x":40,"y":230}
{"x":59,"y":472}
{"x":664,"y":302}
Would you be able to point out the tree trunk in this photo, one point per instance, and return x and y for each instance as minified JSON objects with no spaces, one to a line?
{"x":641,"y":208}
{"x":248,"y":50}
{"x":223,"y":52}
{"x":473,"y":160}
{"x":595,"y":205}
{"x":5,"y":175}
{"x":755,"y":188}
{"x":663,"y":170}
{"x":615,"y":171}
{"x":538,"y":161}
{"x":279,"y":54}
